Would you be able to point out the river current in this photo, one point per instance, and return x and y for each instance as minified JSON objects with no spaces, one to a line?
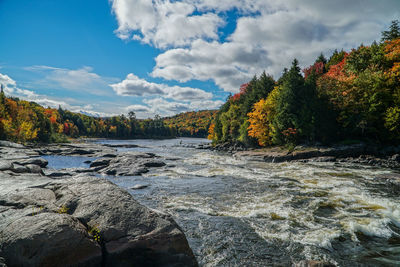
{"x":247,"y":213}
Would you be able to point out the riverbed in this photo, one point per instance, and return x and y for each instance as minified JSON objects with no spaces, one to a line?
{"x":246,"y":213}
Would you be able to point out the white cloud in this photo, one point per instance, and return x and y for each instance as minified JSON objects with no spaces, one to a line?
{"x":9,"y":84}
{"x":163,"y":23}
{"x":268,"y":34}
{"x":132,"y":85}
{"x":137,"y":108}
{"x":81,"y":80}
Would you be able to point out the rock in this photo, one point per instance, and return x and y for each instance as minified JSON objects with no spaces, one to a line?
{"x":131,"y":164}
{"x":10,"y":144}
{"x":154,"y":163}
{"x":122,"y":145}
{"x":396,"y":157}
{"x":100,"y":162}
{"x":323,"y":159}
{"x":84,"y":221}
{"x":34,"y":168}
{"x":49,"y":239}
{"x":87,"y":161}
{"x":108,"y":155}
{"x":139,"y":186}
{"x":19,"y":168}
{"x":311,"y":263}
{"x":36,"y":161}
{"x":55,"y":173}
{"x":5,"y":166}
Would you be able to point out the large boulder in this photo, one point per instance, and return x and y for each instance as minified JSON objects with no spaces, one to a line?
{"x":131,"y":164}
{"x":83,"y":221}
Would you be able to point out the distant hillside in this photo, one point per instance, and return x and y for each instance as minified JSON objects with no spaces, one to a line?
{"x":191,"y":124}
{"x":23,"y":121}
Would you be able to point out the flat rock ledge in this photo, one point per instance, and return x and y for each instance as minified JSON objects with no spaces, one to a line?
{"x":360,"y":153}
{"x":83,"y":221}
{"x":80,"y":220}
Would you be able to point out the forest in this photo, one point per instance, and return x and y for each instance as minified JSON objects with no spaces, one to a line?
{"x":191,"y":124}
{"x":352,"y":96}
{"x":23,"y":121}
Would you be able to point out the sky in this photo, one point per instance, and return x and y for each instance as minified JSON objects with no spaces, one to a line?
{"x":165,"y":57}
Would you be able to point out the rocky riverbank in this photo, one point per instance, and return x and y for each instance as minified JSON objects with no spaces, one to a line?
{"x":71,"y":217}
{"x":380,"y":156}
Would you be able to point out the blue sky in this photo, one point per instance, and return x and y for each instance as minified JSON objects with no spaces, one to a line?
{"x":165,"y":57}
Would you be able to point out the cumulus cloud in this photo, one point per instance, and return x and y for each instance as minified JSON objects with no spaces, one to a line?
{"x":163,"y":23}
{"x":9,"y":84}
{"x":135,"y":86}
{"x":267,"y":36}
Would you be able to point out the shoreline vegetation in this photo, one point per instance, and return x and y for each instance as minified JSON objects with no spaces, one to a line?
{"x":27,"y":122}
{"x":351,"y":97}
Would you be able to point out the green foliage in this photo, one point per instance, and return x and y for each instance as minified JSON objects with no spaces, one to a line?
{"x":23,"y":121}
{"x":352,"y":95}
{"x":393,"y":32}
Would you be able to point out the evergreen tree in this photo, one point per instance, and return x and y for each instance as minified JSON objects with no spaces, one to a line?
{"x":392,"y":33}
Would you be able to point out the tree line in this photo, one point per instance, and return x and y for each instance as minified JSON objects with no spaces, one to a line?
{"x":24,"y":121}
{"x":352,"y":95}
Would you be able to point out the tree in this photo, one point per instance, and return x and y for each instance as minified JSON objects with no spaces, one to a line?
{"x":393,"y":32}
{"x":289,"y":105}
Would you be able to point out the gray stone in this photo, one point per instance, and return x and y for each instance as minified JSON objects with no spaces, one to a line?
{"x":84,"y":221}
{"x":48,"y":239}
{"x":34,"y":168}
{"x":154,"y":163}
{"x":19,"y":168}
{"x":36,"y":161}
{"x":100,"y":162}
{"x":5,"y":166}
{"x":10,"y":144}
{"x":312,"y":263}
{"x":131,"y":164}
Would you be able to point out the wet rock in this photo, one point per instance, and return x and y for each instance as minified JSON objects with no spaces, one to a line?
{"x":323,"y":159}
{"x":132,"y":164}
{"x":100,"y":162}
{"x":109,"y":155}
{"x":139,"y":186}
{"x":56,"y":173}
{"x":154,"y":163}
{"x":36,"y":161}
{"x":122,"y":145}
{"x":311,"y":263}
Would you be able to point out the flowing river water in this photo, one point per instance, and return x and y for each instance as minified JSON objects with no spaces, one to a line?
{"x":247,"y":213}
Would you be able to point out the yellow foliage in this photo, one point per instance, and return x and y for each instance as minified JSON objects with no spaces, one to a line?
{"x":260,"y":118}
{"x":26,"y":131}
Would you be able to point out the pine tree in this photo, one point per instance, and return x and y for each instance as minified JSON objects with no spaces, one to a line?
{"x":392,"y":33}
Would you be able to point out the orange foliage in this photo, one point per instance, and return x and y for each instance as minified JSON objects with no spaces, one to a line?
{"x":392,"y":50}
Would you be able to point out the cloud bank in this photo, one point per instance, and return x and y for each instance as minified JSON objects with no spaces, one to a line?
{"x":267,"y":36}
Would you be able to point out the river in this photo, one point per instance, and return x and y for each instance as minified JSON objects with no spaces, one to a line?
{"x":243,"y":213}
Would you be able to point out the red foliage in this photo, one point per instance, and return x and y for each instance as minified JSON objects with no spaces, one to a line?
{"x":243,"y":90}
{"x":317,"y":68}
{"x":290,"y":131}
